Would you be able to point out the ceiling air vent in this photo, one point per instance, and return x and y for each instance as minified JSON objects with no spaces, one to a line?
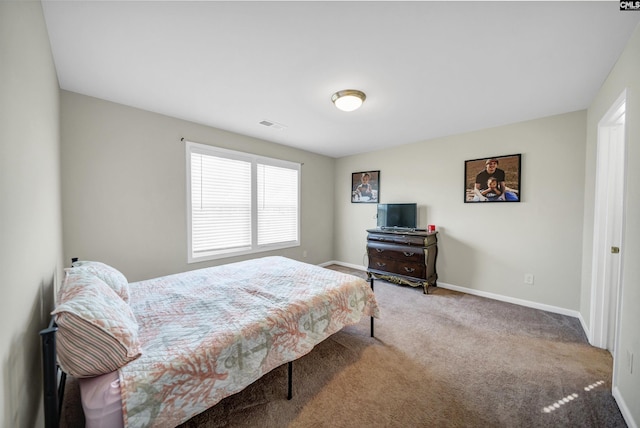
{"x":273,"y":125}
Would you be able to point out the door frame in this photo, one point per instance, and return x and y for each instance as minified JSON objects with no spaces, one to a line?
{"x":608,"y":159}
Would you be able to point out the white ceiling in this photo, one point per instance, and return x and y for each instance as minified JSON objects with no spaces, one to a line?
{"x":429,"y":69}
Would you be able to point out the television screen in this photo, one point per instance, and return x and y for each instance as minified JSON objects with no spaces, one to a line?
{"x":397,"y":215}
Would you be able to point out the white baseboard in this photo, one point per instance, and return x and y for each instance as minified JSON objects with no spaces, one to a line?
{"x":585,"y":327}
{"x":624,"y":409}
{"x":516,"y":301}
{"x":521,"y":302}
{"x":349,"y":265}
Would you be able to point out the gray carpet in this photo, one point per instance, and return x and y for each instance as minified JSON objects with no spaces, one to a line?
{"x":446,"y":359}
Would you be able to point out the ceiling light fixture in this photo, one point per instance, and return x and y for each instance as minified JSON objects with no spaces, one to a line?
{"x":348,"y":99}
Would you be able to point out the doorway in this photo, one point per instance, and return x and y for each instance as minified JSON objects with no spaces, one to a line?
{"x":608,"y":227}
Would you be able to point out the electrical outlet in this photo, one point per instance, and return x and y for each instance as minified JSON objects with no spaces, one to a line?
{"x":630,"y":361}
{"x":304,"y":254}
{"x":528,"y":278}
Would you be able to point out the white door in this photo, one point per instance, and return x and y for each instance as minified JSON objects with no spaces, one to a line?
{"x":608,"y":224}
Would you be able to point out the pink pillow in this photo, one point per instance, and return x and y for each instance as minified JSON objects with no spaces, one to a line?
{"x":101,"y":401}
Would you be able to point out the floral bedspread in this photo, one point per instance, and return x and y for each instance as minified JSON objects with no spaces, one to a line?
{"x":209,"y":333}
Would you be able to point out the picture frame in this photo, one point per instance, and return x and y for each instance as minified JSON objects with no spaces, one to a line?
{"x":493,"y":179}
{"x":365,"y":187}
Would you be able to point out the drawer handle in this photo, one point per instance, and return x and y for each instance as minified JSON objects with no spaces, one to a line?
{"x":408,"y":254}
{"x":410,"y":270}
{"x":381,"y":264}
{"x":380,"y":250}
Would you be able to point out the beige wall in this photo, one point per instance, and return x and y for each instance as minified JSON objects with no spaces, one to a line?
{"x":30,"y":224}
{"x":124,"y":192}
{"x":626,"y":74}
{"x":485,"y":247}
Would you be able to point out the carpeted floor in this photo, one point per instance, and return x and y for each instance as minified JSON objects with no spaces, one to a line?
{"x":446,"y":359}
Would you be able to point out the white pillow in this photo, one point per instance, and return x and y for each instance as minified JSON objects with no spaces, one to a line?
{"x":111,"y":276}
{"x":97,"y":331}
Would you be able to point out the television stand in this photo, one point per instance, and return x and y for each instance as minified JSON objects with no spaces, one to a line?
{"x":403,"y":256}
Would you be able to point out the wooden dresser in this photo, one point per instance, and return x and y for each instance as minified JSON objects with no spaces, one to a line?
{"x":403,"y":256}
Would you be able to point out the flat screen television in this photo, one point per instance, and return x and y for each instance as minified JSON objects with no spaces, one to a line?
{"x":397,"y":215}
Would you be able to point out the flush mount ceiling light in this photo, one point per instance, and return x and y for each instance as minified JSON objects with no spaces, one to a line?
{"x":348,"y":99}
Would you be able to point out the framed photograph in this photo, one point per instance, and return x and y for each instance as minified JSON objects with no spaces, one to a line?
{"x":494,"y":179}
{"x":365,"y":187}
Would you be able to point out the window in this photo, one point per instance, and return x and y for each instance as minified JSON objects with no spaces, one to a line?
{"x":239,"y":203}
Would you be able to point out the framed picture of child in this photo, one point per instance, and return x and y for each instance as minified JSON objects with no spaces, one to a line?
{"x":493,"y":179}
{"x":365,"y":187}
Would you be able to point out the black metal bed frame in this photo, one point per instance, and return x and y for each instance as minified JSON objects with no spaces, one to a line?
{"x":54,"y":379}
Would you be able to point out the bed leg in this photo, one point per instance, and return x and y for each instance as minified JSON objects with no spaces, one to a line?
{"x":290,"y":380}
{"x":63,"y":381}
{"x":371,"y":317}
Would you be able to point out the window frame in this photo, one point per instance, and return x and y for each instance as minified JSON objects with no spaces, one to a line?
{"x":205,"y":149}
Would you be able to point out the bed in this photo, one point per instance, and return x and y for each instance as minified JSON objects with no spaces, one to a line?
{"x":178,"y":344}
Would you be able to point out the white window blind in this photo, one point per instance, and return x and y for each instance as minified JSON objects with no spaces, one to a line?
{"x":277,"y":204}
{"x":239,"y":203}
{"x":220,"y":203}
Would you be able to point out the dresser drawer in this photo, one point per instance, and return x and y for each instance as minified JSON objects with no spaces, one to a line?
{"x":398,"y":267}
{"x":397,"y":252}
{"x":403,"y":239}
{"x":421,"y":239}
